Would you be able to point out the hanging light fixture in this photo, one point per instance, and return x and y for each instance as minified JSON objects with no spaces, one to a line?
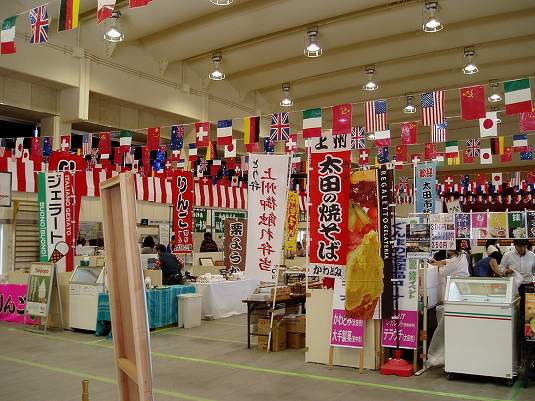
{"x":313,"y":48}
{"x":221,"y":2}
{"x":432,"y":23}
{"x":495,"y":97}
{"x":217,"y":74}
{"x":114,"y":33}
{"x":471,"y":67}
{"x":370,"y":85}
{"x":286,"y":101}
{"x":409,"y":108}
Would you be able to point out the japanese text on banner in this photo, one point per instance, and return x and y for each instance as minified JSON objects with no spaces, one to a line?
{"x":426,"y":191}
{"x":292,"y":221}
{"x":183,"y":211}
{"x":235,"y":243}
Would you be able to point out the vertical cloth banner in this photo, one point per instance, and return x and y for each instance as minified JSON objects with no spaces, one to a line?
{"x":292,"y":221}
{"x":407,"y":274}
{"x":345,"y":331}
{"x":182,"y":187}
{"x":425,"y":186}
{"x":56,"y":216}
{"x":385,"y":191}
{"x":364,"y":276}
{"x":13,"y":302}
{"x":330,"y":165}
{"x":266,"y":210}
{"x":235,"y":245}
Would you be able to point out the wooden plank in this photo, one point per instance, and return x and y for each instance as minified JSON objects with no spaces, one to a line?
{"x":127,"y":293}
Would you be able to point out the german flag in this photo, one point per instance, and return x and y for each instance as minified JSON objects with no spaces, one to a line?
{"x":251,"y":131}
{"x":497,"y":145}
{"x":68,"y":14}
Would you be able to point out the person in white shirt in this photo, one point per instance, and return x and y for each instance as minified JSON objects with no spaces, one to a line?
{"x":456,"y":265}
{"x":82,"y":249}
{"x":519,"y":260}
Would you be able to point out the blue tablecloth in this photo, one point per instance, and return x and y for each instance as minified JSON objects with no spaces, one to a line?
{"x":161,"y":306}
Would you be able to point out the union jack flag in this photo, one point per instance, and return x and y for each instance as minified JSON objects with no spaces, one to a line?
{"x":403,"y":184}
{"x":439,"y":131}
{"x":39,"y":23}
{"x":358,"y":138}
{"x":474,"y":146}
{"x":203,"y":165}
{"x":280,"y":127}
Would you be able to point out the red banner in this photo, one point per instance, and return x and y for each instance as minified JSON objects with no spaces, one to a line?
{"x":329,"y":215}
{"x":182,"y":187}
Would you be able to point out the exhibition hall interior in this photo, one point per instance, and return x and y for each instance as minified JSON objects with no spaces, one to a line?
{"x":236,"y":200}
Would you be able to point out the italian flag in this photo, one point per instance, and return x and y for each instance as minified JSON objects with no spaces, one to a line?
{"x":8,"y":36}
{"x":311,"y":123}
{"x":452,"y":148}
{"x":517,"y":96}
{"x":125,"y":140}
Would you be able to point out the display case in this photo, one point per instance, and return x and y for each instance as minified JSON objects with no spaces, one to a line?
{"x":84,"y":287}
{"x":480,"y":322}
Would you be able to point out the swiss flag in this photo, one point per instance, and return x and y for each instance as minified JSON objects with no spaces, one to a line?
{"x":202,"y":133}
{"x":65,"y":144}
{"x":364,"y":157}
{"x":416,"y":158}
{"x":153,"y":138}
{"x":448,"y":182}
{"x":291,"y":143}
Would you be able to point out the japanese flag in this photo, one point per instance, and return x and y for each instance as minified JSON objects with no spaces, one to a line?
{"x":230,"y":150}
{"x":485,"y":156}
{"x":488,"y":126}
{"x":496,"y":179}
{"x":19,"y":147}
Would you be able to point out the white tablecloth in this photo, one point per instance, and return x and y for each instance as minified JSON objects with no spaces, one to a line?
{"x":224,"y":298}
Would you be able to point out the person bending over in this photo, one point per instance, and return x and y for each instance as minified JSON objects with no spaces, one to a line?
{"x":170,"y":266}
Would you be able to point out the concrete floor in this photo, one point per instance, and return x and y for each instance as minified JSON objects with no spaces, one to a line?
{"x":212,"y":362}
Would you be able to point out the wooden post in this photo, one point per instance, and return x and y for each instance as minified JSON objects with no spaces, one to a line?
{"x":331,"y":357}
{"x":361,"y":350}
{"x":85,"y":390}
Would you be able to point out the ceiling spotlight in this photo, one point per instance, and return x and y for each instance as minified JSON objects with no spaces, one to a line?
{"x":409,"y":108}
{"x":114,"y":33}
{"x":432,"y":23}
{"x":313,"y":48}
{"x":217,"y":74}
{"x":495,"y":97}
{"x":470,"y":68}
{"x":370,"y":85}
{"x":286,"y":101}
{"x":221,"y":2}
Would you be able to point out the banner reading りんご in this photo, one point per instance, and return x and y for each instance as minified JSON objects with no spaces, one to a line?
{"x":292,"y":222}
{"x":56,"y":217}
{"x":182,"y":188}
{"x":266,"y":212}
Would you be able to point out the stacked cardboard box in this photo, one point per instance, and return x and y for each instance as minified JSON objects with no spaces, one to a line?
{"x":278,"y":334}
{"x":295,"y":331}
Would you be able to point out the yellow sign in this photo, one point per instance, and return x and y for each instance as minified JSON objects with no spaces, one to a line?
{"x":292,"y":221}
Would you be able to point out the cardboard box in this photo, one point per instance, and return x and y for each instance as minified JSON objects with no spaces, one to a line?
{"x":278,"y":340}
{"x":295,"y":340}
{"x":295,"y":324}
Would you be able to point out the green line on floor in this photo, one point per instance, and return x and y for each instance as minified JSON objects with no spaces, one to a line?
{"x":208,"y":338}
{"x":516,"y":390}
{"x":103,"y":379}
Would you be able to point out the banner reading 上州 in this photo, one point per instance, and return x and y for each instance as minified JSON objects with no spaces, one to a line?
{"x":292,"y":222}
{"x":235,"y":244}
{"x":56,"y":216}
{"x":266,"y":211}
{"x":182,"y":187}
{"x":426,"y":187}
{"x":329,"y":211}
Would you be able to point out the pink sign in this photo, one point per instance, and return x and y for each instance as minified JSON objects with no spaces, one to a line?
{"x":408,"y":330}
{"x":13,"y":302}
{"x":346,"y":331}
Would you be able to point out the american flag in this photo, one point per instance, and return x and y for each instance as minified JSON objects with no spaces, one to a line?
{"x":439,"y":131}
{"x":280,"y":127}
{"x":87,"y":139}
{"x":376,"y":116}
{"x":515,"y":179}
{"x":39,"y":23}
{"x":433,"y":108}
{"x":358,"y":138}
{"x":474,"y":146}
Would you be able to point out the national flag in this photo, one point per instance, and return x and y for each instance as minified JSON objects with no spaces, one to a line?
{"x":177,"y":137}
{"x":497,"y":145}
{"x":517,"y":96}
{"x":448,"y":182}
{"x":403,"y":184}
{"x":473,"y":102}
{"x":416,"y":158}
{"x":486,"y":156}
{"x":453,"y":159}
{"x":269,"y":145}
{"x":87,"y":141}
{"x":280,"y":127}
{"x":291,"y":144}
{"x":39,"y":24}
{"x":192,"y":153}
{"x":342,"y":119}
{"x":139,"y":3}
{"x":507,"y":155}
{"x":230,"y":150}
{"x":36,"y":146}
{"x":527,"y":154}
{"x":65,"y":144}
{"x":358,"y":138}
{"x":473,"y":147}
{"x":402,"y":153}
{"x":439,"y":132}
{"x":383,"y":154}
{"x":515,"y":179}
{"x":312,"y":123}
{"x":251,"y":130}
{"x":520,"y":142}
{"x":215,"y":168}
{"x":153,"y":138}
{"x":7,"y":36}
{"x":296,"y":164}
{"x":382,"y":138}
{"x":430,"y":151}
{"x":47,"y":146}
{"x":468,"y":157}
{"x":253,"y":147}
{"x":224,"y":132}
{"x":527,"y":121}
{"x":211,"y":150}
{"x":68,"y":14}
{"x":531,"y":177}
{"x":364,"y":157}
{"x":376,"y":115}
{"x":433,"y":108}
{"x":104,"y":9}
{"x":481,"y":179}
{"x":104,"y":143}
{"x":409,"y":132}
{"x":488,"y":126}
{"x":497,"y":179}
{"x":452,"y":149}
{"x":202,"y":134}
{"x":125,"y":140}
{"x":19,"y":147}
